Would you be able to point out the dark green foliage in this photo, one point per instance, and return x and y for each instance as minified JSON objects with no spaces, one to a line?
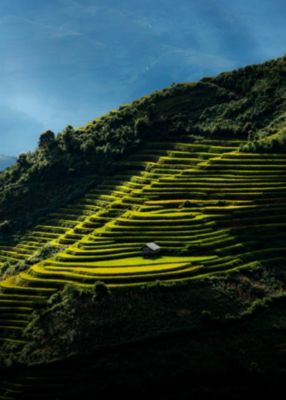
{"x":79,"y":320}
{"x":141,"y":126}
{"x":272,"y":141}
{"x":4,"y":228}
{"x":68,"y":140}
{"x":47,"y":140}
{"x":72,"y":295}
{"x":23,"y":161}
{"x":100,"y":290}
{"x":67,"y":316}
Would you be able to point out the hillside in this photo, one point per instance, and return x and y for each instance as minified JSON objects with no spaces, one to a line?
{"x":247,"y":103}
{"x":6,"y":162}
{"x":200,"y":170}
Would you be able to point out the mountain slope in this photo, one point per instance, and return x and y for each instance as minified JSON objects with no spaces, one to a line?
{"x":247,"y":103}
{"x":202,"y":177}
{"x":219,"y":216}
{"x":210,"y":207}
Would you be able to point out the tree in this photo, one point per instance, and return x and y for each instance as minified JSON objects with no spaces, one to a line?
{"x":22,"y":160}
{"x":88,"y":146}
{"x":100,"y":291}
{"x":69,"y":139}
{"x":47,"y":140}
{"x":142,"y":125}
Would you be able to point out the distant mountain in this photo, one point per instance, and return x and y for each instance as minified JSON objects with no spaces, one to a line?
{"x":6,"y":161}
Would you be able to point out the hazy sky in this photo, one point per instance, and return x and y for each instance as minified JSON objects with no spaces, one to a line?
{"x":67,"y":61}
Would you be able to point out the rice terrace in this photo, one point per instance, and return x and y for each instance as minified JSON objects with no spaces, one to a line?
{"x":198,"y":170}
{"x":205,"y":199}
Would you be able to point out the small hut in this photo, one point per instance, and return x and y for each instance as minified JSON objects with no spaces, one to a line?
{"x":151,"y":249}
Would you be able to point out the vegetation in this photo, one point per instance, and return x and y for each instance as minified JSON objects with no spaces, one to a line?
{"x":271,"y":141}
{"x":222,"y":341}
{"x":243,"y":103}
{"x":197,"y":168}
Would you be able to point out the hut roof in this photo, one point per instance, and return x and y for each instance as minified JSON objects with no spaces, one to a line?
{"x":152,"y":246}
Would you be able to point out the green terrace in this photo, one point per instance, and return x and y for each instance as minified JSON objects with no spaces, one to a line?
{"x":211,"y":209}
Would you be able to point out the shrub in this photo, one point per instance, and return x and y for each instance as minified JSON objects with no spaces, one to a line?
{"x":100,"y":291}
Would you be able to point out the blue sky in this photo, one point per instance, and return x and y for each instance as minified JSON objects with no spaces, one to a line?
{"x":67,"y":61}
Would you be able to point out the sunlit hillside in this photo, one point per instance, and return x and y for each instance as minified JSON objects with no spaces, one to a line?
{"x":199,"y":171}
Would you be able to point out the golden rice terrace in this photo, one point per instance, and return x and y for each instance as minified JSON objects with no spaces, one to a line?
{"x":211,"y":208}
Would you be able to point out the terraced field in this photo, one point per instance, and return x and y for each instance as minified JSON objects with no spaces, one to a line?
{"x":211,"y":208}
